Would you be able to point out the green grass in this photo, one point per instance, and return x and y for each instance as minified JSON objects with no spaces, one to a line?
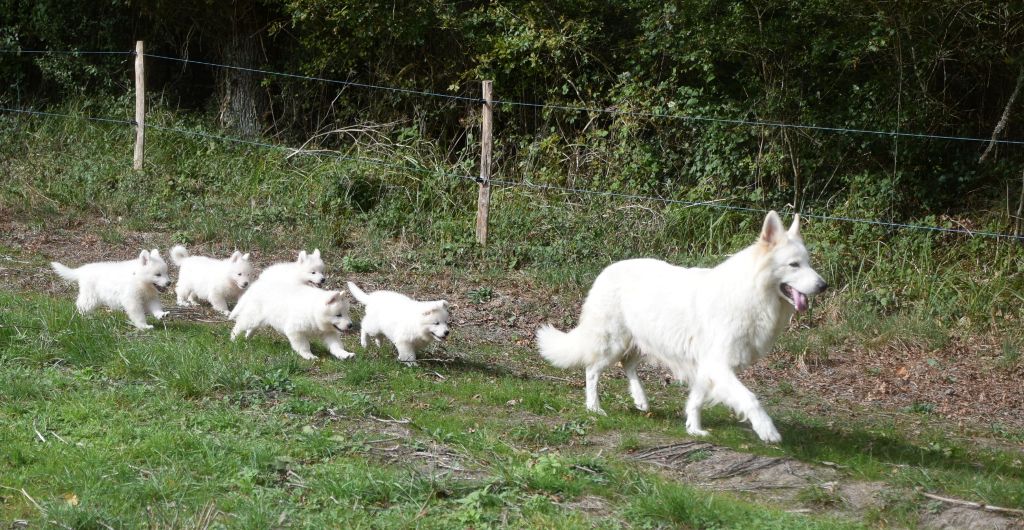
{"x":179,"y":426}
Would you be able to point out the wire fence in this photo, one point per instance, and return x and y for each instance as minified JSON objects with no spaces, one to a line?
{"x":715,"y":204}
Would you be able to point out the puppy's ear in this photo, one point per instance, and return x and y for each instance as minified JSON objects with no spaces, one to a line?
{"x":335,"y":296}
{"x":155,"y":253}
{"x":144,"y":257}
{"x":316,"y":253}
{"x":302,"y":256}
{"x":794,"y":229}
{"x":443,"y":304}
{"x":245,"y":257}
{"x":772,"y":231}
{"x":236,"y":256}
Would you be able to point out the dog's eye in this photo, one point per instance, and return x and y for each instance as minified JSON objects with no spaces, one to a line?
{"x":795,"y":264}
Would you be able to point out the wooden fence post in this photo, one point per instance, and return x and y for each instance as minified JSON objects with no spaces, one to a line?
{"x":483,"y":201}
{"x":140,"y":106}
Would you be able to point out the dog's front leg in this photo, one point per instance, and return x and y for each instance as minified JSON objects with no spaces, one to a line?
{"x":727,"y":388}
{"x":334,"y":346}
{"x":137,"y":314}
{"x":218,"y":302}
{"x":154,"y":307}
{"x":300,"y":344}
{"x":406,"y":353}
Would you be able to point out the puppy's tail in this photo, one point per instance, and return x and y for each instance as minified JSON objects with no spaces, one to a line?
{"x":565,"y":350}
{"x":178,"y":254}
{"x":67,"y":273}
{"x":358,"y":293}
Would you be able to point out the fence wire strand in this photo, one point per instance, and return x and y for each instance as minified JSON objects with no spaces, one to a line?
{"x":714,"y":204}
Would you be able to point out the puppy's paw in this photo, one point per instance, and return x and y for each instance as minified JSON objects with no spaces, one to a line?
{"x":160,"y":314}
{"x":307,"y":356}
{"x":342,"y":354}
{"x":596,"y":409}
{"x":144,"y":327}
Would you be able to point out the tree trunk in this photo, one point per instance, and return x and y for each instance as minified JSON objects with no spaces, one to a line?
{"x":241,"y":101}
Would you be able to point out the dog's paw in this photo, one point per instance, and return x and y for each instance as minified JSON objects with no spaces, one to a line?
{"x":144,"y":327}
{"x":342,"y":354}
{"x":642,"y":406}
{"x":696,"y":432}
{"x":770,"y":436}
{"x":160,"y":314}
{"x":596,"y":410}
{"x":307,"y":356}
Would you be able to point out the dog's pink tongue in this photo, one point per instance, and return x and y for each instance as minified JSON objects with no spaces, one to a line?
{"x":800,"y":300}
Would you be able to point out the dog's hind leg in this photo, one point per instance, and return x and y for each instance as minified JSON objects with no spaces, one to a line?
{"x":727,"y":388}
{"x":629,"y":364}
{"x":696,"y":400}
{"x":593,"y":374}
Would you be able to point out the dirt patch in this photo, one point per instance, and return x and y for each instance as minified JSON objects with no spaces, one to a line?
{"x":787,"y":483}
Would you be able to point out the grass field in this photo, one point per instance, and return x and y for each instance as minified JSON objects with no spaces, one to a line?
{"x":104,"y":426}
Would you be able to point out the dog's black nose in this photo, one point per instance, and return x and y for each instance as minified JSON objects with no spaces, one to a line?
{"x":822,"y":287}
{"x":445,"y":334}
{"x":245,"y":284}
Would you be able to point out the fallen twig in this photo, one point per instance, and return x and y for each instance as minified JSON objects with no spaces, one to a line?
{"x":972,"y":504}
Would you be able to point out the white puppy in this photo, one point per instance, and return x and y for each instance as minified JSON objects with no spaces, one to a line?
{"x":217,"y":281}
{"x":407,"y":323}
{"x":703,"y":324}
{"x":299,"y":312}
{"x":307,"y":268}
{"x":130,"y":285}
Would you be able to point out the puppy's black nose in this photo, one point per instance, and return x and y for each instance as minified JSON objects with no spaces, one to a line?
{"x":348,"y":326}
{"x":822,"y":287}
{"x":245,"y":284}
{"x":445,"y":334}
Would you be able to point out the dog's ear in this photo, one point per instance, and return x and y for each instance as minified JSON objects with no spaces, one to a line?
{"x":443,"y":304}
{"x":335,"y":296}
{"x":794,"y":229}
{"x":245,"y":257}
{"x":316,"y":253}
{"x":155,"y":253}
{"x":302,"y":256}
{"x":236,"y":256}
{"x":772,"y":231}
{"x":144,"y":257}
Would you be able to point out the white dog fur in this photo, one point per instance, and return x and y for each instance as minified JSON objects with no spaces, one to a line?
{"x":702,"y":324}
{"x":307,"y":268}
{"x":130,"y":285}
{"x":217,"y":281}
{"x":299,"y":312}
{"x":408,"y":324}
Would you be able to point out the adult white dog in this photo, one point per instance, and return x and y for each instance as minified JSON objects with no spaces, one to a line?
{"x":130,"y":285}
{"x":409,"y":324}
{"x":217,"y":281}
{"x":702,"y":324}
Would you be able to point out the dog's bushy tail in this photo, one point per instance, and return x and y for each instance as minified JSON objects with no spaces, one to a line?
{"x":65,"y":272}
{"x":565,"y":350}
{"x":178,"y":254}
{"x":358,"y":293}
